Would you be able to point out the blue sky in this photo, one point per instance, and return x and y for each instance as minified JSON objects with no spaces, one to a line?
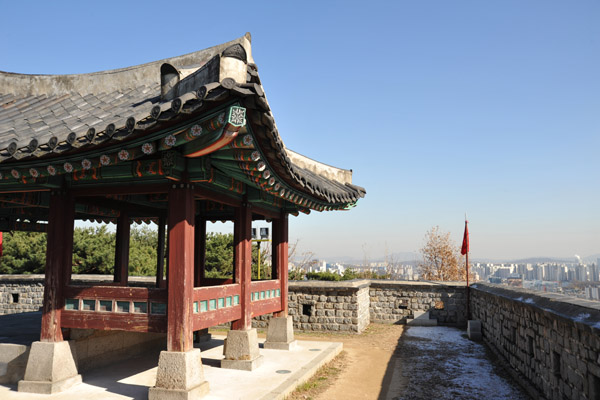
{"x":439,"y":107}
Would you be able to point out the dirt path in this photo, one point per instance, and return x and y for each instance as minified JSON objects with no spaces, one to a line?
{"x":363,"y":366}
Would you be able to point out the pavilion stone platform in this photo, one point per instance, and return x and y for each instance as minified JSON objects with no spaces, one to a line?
{"x":178,"y":142}
{"x":133,"y":379}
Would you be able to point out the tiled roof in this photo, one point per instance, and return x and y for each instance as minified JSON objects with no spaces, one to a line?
{"x":42,"y":116}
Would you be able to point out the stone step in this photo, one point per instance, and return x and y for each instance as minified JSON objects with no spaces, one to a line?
{"x":421,"y":318}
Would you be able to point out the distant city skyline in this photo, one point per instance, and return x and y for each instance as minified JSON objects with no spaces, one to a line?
{"x":489,"y":108}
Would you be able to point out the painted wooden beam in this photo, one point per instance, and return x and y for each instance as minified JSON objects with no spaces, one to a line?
{"x":181,"y":268}
{"x":102,"y":190}
{"x":58,"y":255}
{"x":242,"y":236}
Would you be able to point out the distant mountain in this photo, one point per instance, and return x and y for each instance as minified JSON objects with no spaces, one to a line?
{"x":415,"y":258}
{"x":591,"y":259}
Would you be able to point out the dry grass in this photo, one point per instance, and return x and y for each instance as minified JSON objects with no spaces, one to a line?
{"x":324,"y":378}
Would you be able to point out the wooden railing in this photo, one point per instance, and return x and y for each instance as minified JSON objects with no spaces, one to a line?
{"x":141,"y":309}
{"x":214,"y":305}
{"x":115,"y":308}
{"x":265,"y":297}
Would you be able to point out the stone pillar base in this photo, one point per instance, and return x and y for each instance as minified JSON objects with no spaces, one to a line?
{"x":280,"y":335}
{"x":202,"y":336}
{"x":50,"y":368}
{"x":180,"y":376}
{"x":241,"y":350}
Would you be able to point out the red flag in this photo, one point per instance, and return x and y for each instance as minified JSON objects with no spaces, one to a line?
{"x":0,"y":244}
{"x":465,"y":246}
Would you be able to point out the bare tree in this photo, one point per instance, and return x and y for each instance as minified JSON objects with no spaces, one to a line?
{"x":300,"y":261}
{"x":441,"y":258}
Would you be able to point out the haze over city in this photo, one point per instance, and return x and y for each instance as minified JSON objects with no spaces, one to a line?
{"x":440,"y":108}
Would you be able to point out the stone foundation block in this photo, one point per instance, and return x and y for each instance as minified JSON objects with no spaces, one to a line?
{"x":474,"y":329}
{"x":50,"y":368}
{"x":241,"y":350}
{"x":280,"y":335}
{"x":180,"y":375}
{"x":421,"y":318}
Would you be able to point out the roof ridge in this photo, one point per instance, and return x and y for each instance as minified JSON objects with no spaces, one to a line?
{"x":107,"y":80}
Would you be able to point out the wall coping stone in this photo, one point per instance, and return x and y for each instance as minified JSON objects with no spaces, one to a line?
{"x":585,"y":313}
{"x":352,"y":284}
{"x":416,"y":284}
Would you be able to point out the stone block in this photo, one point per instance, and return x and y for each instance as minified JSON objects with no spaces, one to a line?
{"x":474,"y":330}
{"x":421,"y":318}
{"x":180,"y":375}
{"x":242,"y":351}
{"x":51,"y":368}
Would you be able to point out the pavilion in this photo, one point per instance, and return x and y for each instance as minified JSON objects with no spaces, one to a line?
{"x":180,"y":142}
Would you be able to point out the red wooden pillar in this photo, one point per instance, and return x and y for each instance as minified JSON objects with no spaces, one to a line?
{"x":280,"y":253}
{"x":59,"y":259}
{"x":200,"y":250}
{"x":121,"y":274}
{"x":160,"y":253}
{"x":181,"y":268}
{"x":242,"y":236}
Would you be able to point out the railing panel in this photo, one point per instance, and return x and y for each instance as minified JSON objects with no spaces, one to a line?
{"x":214,"y":305}
{"x":113,"y":321}
{"x":265,"y":297}
{"x":112,"y":292}
{"x":115,"y":308}
{"x":262,"y":307}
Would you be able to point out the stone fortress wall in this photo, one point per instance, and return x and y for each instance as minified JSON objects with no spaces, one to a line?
{"x":551,"y":342}
{"x":21,"y":293}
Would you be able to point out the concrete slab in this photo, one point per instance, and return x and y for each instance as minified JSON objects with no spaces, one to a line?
{"x":279,"y":374}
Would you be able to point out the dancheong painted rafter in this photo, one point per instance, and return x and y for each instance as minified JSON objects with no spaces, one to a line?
{"x":203,"y":117}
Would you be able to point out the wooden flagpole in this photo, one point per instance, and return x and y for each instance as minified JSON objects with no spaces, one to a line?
{"x":467,"y":266}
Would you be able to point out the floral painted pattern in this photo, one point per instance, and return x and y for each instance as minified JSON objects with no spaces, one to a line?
{"x":222,"y":118}
{"x":104,"y":160}
{"x":123,"y":155}
{"x":170,"y":141}
{"x":34,"y":172}
{"x":248,"y":140}
{"x":147,"y":148}
{"x":86,"y":164}
{"x":51,"y":170}
{"x":15,"y":174}
{"x":68,"y":167}
{"x":196,"y":130}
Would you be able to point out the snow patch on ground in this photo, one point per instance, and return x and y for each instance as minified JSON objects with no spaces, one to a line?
{"x":442,"y":363}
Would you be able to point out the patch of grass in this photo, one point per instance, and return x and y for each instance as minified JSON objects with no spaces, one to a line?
{"x":319,"y":382}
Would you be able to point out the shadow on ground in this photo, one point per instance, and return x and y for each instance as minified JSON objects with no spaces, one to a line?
{"x":442,"y":363}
